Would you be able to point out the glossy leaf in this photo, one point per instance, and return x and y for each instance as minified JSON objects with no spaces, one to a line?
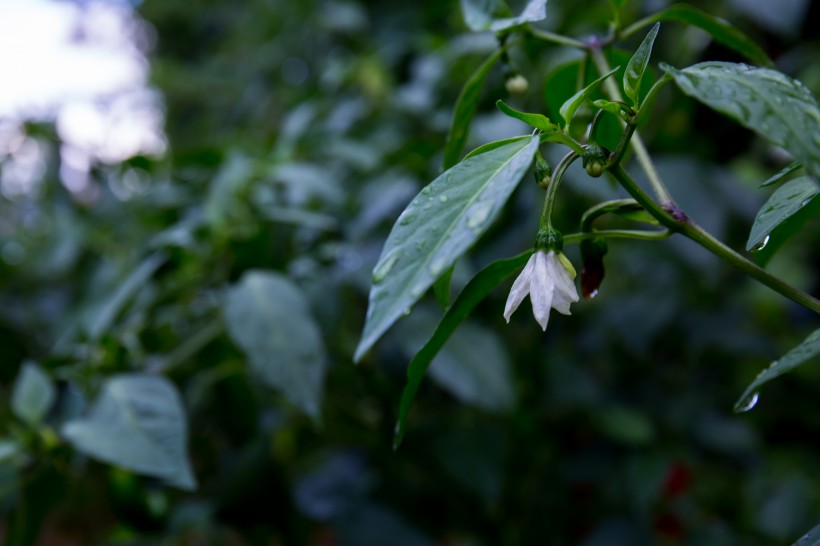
{"x":493,"y":15}
{"x":269,"y":319}
{"x":571,"y":105}
{"x":777,"y":107}
{"x":437,"y":227}
{"x":473,"y":293}
{"x":637,"y":66}
{"x":465,"y":110}
{"x":806,"y":351}
{"x":719,"y":29}
{"x":33,"y":395}
{"x":608,"y":106}
{"x":441,"y":288}
{"x":812,"y":538}
{"x":786,"y":201}
{"x":538,"y":121}
{"x":138,"y":423}
{"x":789,"y":169}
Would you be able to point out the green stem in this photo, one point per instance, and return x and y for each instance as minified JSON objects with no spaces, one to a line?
{"x":607,"y":207}
{"x":641,"y":152}
{"x":680,"y":224}
{"x":557,"y":38}
{"x":645,"y":235}
{"x":552,"y":189}
{"x":191,"y":346}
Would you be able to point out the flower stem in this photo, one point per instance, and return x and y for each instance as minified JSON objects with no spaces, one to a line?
{"x":658,"y":187}
{"x":557,"y":38}
{"x":677,"y":222}
{"x":552,"y":189}
{"x":645,"y":235}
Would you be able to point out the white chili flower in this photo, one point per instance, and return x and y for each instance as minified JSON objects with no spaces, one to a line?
{"x":548,"y":279}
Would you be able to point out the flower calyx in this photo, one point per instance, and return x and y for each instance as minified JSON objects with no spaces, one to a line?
{"x":543,"y":171}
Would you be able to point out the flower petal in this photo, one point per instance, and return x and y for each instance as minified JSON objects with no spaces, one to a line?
{"x":561,"y":303}
{"x":541,"y":290}
{"x":520,"y":289}
{"x":562,"y":278}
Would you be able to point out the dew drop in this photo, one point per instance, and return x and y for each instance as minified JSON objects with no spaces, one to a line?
{"x":438,"y":265}
{"x":592,"y":294}
{"x":417,"y":290}
{"x":747,"y":403}
{"x":384,"y":266}
{"x":761,"y":245}
{"x":426,"y":190}
{"x":406,"y":218}
{"x":443,"y":198}
{"x":406,"y":312}
{"x":479,"y":215}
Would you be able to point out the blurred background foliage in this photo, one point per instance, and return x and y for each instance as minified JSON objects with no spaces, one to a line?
{"x":296,"y":133}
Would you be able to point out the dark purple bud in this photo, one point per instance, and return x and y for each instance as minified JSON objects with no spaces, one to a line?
{"x":592,"y":272}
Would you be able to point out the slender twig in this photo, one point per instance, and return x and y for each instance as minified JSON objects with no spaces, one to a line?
{"x":552,"y":189}
{"x":557,"y":38}
{"x":642,"y":234}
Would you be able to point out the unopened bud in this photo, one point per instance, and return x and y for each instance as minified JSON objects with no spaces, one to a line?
{"x":516,"y":84}
{"x":595,"y":160}
{"x":549,"y":239}
{"x":543,"y":171}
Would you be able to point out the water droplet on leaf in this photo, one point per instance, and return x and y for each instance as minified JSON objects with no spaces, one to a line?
{"x":761,"y":245}
{"x":384,"y":266}
{"x":417,"y":290}
{"x":426,"y":190}
{"x":479,"y":215}
{"x":438,"y":265}
{"x":406,"y":218}
{"x":443,"y":198}
{"x":747,"y":403}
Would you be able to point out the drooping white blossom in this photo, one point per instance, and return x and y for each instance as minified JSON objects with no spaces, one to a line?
{"x":548,"y":282}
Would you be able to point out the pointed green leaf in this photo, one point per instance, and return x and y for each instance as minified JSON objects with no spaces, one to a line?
{"x":441,"y":288}
{"x":33,"y":395}
{"x":437,"y":227}
{"x":538,"y":121}
{"x":474,"y":292}
{"x":269,"y":319}
{"x":484,"y":148}
{"x":494,"y":15}
{"x":777,"y":107}
{"x":808,"y":350}
{"x":789,"y":169}
{"x":637,"y":66}
{"x":608,"y":106}
{"x":719,"y":29}
{"x":786,"y":201}
{"x":571,"y":105}
{"x":138,"y":423}
{"x":465,"y":110}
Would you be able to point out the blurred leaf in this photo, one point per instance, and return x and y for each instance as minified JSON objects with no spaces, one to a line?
{"x":786,"y":201}
{"x":224,"y":211}
{"x":441,"y":287}
{"x":138,"y":423}
{"x":465,"y":110}
{"x":637,"y":66}
{"x":475,"y":368}
{"x":269,"y":319}
{"x":438,"y":226}
{"x":476,"y":290}
{"x":812,"y":538}
{"x":626,"y":425}
{"x":492,"y":14}
{"x":102,"y":317}
{"x":719,"y":29}
{"x":777,"y":107}
{"x":608,"y":106}
{"x":808,"y":350}
{"x":782,"y":174}
{"x":571,"y":105}
{"x":33,"y":395}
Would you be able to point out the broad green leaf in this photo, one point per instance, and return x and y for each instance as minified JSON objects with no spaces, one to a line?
{"x":473,"y":293}
{"x":441,"y":287}
{"x":784,"y":202}
{"x":484,"y":148}
{"x":777,"y":107}
{"x":608,"y":106}
{"x":494,"y":15}
{"x":269,"y":319}
{"x":812,"y":538}
{"x":102,"y":318}
{"x":475,"y":369}
{"x":637,"y":66}
{"x":33,"y":395}
{"x":808,"y":350}
{"x":782,"y":174}
{"x":538,"y":121}
{"x":437,"y":227}
{"x":138,"y":423}
{"x":571,"y":105}
{"x":719,"y":29}
{"x":465,"y":110}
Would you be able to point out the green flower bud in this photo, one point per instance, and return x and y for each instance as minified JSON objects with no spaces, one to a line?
{"x":549,"y":239}
{"x":543,"y":171}
{"x":595,"y":160}
{"x":516,"y":84}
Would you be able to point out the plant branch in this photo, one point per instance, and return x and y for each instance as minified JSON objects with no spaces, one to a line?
{"x":677,"y":221}
{"x":642,"y":234}
{"x":552,"y":189}
{"x":559,"y":39}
